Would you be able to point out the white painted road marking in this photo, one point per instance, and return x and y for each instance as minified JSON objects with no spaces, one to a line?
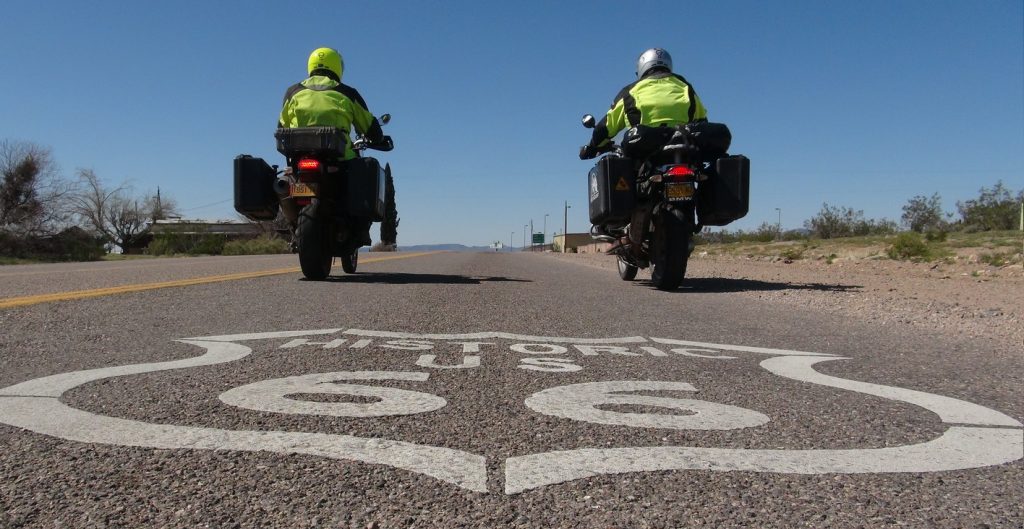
{"x":993,"y":438}
{"x":271,"y":395}
{"x":580,"y":402}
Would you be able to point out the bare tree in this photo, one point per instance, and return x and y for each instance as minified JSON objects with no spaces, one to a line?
{"x":32,"y":193}
{"x":112,"y":213}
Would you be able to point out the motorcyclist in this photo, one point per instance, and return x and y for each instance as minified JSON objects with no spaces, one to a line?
{"x":658,"y":97}
{"x":322,"y":100}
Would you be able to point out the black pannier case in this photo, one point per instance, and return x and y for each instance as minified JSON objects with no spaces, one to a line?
{"x":310,"y":140}
{"x":254,"y":188}
{"x":364,"y":191}
{"x":725,"y":197}
{"x":612,"y":185}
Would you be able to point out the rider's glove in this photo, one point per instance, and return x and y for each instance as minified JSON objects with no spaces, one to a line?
{"x":587,"y":152}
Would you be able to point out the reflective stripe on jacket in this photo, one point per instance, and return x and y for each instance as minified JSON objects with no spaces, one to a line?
{"x":320,"y":101}
{"x":659,"y":98}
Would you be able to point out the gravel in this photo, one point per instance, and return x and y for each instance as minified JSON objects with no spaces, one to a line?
{"x":957,"y":301}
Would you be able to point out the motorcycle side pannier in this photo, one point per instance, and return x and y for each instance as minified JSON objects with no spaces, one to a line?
{"x":612,"y":185}
{"x":310,"y":140}
{"x":725,"y":197}
{"x":254,"y":188}
{"x":364,"y":192}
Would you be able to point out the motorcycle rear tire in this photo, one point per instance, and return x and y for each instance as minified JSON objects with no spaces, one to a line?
{"x":313,"y":237}
{"x":627,"y":272}
{"x":350,"y":262}
{"x":671,"y":252}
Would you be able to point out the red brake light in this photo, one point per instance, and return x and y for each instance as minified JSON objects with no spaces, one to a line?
{"x":679,"y":172}
{"x":309,"y":164}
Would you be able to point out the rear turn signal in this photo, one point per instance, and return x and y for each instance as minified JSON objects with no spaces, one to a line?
{"x":309,"y":164}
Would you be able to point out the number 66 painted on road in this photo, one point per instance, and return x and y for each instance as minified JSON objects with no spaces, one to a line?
{"x":977,"y":436}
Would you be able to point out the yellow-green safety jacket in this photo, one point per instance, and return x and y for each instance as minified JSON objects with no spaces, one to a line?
{"x":659,"y":98}
{"x":321,"y":101}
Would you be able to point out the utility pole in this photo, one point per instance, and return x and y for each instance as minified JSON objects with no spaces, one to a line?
{"x":159,"y":206}
{"x":524,"y":237}
{"x":545,"y":238}
{"x":565,"y":226}
{"x":531,"y":235}
{"x":513,"y":234}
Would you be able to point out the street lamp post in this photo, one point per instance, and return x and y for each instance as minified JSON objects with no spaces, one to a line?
{"x":565,"y":226}
{"x":531,"y":235}
{"x":510,"y":243}
{"x":524,"y":237}
{"x":778,"y":226}
{"x":545,"y":228}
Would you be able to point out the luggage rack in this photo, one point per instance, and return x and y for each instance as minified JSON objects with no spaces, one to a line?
{"x":311,"y":140}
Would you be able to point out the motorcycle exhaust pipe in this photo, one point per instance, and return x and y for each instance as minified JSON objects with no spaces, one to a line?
{"x":598,"y":234}
{"x":288,"y":207}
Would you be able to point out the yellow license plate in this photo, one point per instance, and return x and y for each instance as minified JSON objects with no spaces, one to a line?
{"x":299,"y":189}
{"x":679,"y":191}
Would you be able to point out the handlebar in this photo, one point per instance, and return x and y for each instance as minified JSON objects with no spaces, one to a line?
{"x":363,"y":143}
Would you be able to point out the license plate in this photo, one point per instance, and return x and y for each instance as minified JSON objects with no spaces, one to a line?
{"x":679,"y":191}
{"x":299,"y":189}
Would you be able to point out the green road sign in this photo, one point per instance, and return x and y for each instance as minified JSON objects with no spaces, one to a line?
{"x":538,"y":238}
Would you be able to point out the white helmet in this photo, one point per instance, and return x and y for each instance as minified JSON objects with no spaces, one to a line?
{"x":653,"y":58}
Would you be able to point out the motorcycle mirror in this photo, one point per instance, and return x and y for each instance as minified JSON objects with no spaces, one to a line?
{"x":385,"y":119}
{"x":588,"y":121}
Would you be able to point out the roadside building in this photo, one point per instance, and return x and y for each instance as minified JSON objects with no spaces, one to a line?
{"x":577,"y":243}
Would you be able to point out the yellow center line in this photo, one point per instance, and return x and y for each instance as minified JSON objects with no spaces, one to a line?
{"x":124,"y":289}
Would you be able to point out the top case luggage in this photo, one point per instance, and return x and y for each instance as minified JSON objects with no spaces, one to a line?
{"x":311,"y":140}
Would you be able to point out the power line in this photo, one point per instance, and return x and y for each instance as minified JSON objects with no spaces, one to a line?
{"x":206,"y":205}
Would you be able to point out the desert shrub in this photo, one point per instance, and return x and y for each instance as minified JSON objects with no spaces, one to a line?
{"x":1000,"y":258}
{"x":794,"y":253}
{"x":187,"y":243}
{"x":924,"y":214}
{"x":939,"y":235}
{"x":838,"y":221}
{"x":259,"y":246}
{"x":72,"y":244}
{"x":994,"y":209}
{"x":909,"y":246}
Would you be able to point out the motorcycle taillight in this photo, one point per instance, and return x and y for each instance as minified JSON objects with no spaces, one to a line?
{"x":308,"y":169}
{"x":679,"y":173}
{"x":309,"y":164}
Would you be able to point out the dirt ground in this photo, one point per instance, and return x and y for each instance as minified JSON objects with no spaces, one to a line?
{"x":960,"y":299}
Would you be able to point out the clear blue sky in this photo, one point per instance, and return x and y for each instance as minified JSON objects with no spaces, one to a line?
{"x":861,"y":104}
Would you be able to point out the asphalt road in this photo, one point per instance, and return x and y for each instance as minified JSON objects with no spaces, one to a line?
{"x":484,"y":390}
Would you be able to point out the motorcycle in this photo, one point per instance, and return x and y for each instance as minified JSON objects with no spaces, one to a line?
{"x":651,"y":195}
{"x":329,"y":203}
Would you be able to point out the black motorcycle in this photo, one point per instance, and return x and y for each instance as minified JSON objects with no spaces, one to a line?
{"x":329,"y":203}
{"x":652,"y":194}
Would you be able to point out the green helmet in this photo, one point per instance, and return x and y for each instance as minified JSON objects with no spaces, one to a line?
{"x":326,"y":59}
